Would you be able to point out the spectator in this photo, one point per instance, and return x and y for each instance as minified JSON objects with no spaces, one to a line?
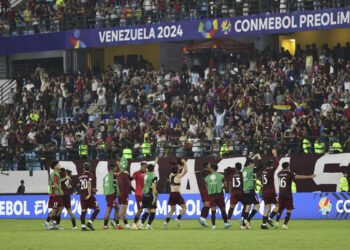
{"x":21,"y":189}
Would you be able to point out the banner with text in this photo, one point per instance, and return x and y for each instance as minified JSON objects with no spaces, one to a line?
{"x":307,"y":206}
{"x":176,"y":31}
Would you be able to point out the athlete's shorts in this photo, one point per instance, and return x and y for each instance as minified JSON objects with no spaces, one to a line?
{"x":250,"y":197}
{"x":147,"y":201}
{"x":285,"y":202}
{"x":55,"y":202}
{"x":123,"y":199}
{"x":269,"y":198}
{"x":216,"y":200}
{"x":90,"y":203}
{"x":66,"y":201}
{"x":111,"y":200}
{"x":139,"y":201}
{"x":204,"y":195}
{"x":236,"y":197}
{"x":175,"y":198}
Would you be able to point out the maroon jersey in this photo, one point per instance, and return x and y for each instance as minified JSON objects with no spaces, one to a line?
{"x":201,"y":182}
{"x":267,"y":178}
{"x":236,"y":180}
{"x":84,"y":179}
{"x":285,"y":182}
{"x":124,"y":183}
{"x":65,"y":184}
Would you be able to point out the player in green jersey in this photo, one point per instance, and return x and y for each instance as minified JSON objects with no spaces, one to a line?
{"x":249,"y":183}
{"x":214,"y":182}
{"x":149,"y":200}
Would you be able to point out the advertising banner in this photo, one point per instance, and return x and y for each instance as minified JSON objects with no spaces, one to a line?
{"x":307,"y":206}
{"x":177,"y":31}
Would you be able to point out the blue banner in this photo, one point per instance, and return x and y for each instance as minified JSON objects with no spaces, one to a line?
{"x":176,"y":31}
{"x":307,"y":206}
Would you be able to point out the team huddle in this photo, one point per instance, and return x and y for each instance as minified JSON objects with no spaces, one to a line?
{"x":240,"y":182}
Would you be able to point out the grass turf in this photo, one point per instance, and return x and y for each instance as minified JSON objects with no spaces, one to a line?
{"x":302,"y":234}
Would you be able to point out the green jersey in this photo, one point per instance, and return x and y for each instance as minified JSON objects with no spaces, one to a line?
{"x":249,"y":179}
{"x":110,"y":185}
{"x":149,"y":178}
{"x":214,"y":183}
{"x":52,"y":189}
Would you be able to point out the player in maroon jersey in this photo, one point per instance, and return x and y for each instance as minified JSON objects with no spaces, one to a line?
{"x":235,"y":182}
{"x":285,"y":200}
{"x":66,"y":185}
{"x":204,"y":193}
{"x":87,"y":197}
{"x":138,"y":177}
{"x":268,"y":190}
{"x":124,"y":183}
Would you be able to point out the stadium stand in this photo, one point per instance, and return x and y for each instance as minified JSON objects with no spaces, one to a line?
{"x":227,"y":104}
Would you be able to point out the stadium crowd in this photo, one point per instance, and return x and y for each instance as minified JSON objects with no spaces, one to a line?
{"x":51,"y":16}
{"x":217,"y":104}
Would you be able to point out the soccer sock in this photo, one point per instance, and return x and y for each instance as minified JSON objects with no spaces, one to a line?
{"x":144,"y":217}
{"x":244,"y":215}
{"x":48,"y":219}
{"x":136,"y":219}
{"x":224,"y":215}
{"x":125,"y":221}
{"x":179,"y":217}
{"x":230,"y":213}
{"x":278,"y":217}
{"x":74,"y":223}
{"x":204,"y":212}
{"x":94,"y":214}
{"x":82,"y":218}
{"x":286,"y":219}
{"x":213,"y":217}
{"x":116,"y":221}
{"x":167,"y":220}
{"x":105,"y":222}
{"x":272,"y":214}
{"x":264,"y":220}
{"x":58,"y":219}
{"x":151,"y":218}
{"x":252,"y":214}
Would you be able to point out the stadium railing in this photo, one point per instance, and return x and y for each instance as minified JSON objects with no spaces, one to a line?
{"x":27,"y":157}
{"x":183,"y":10}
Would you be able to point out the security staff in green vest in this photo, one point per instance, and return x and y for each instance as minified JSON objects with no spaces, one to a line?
{"x":294,"y":187}
{"x":127,"y":153}
{"x":306,"y":146}
{"x":337,"y":148}
{"x":223,"y":149}
{"x":146,"y":148}
{"x":319,"y":146}
{"x":83,"y":150}
{"x":344,"y":185}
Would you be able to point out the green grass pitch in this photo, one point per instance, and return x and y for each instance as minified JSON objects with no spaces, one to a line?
{"x":302,"y":234}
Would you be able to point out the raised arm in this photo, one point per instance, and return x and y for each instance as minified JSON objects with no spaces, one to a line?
{"x":184,"y":170}
{"x":304,"y":177}
{"x":275,"y":157}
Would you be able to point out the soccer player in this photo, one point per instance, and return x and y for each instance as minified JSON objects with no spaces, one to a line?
{"x":175,"y":197}
{"x":250,"y":197}
{"x":55,"y":200}
{"x":111,"y":191}
{"x":124,"y":184}
{"x":268,"y":190}
{"x":149,"y":199}
{"x":285,"y":200}
{"x":87,"y":197}
{"x":67,"y":188}
{"x":204,"y":194}
{"x":214,"y":182}
{"x":235,"y":181}
{"x":139,"y":176}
